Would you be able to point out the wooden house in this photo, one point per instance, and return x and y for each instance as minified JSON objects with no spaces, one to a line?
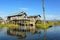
{"x":26,"y":22}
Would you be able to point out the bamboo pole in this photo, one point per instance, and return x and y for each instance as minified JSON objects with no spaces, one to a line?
{"x":44,"y":19}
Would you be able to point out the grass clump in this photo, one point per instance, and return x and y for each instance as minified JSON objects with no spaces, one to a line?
{"x":9,"y":25}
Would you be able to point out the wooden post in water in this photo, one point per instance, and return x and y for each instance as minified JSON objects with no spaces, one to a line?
{"x":44,"y":19}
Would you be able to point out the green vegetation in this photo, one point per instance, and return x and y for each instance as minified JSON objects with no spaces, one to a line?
{"x":39,"y":24}
{"x":42,"y":25}
{"x":55,"y":22}
{"x":9,"y":25}
{"x":48,"y":24}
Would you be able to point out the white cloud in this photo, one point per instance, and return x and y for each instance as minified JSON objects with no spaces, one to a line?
{"x":3,"y":14}
{"x":52,"y":17}
{"x":24,"y":9}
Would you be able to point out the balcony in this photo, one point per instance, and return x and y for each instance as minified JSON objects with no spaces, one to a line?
{"x":17,"y":18}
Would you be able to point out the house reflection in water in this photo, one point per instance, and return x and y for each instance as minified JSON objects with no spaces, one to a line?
{"x":25,"y":22}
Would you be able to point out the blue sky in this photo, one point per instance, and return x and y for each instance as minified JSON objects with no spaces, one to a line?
{"x":31,"y":7}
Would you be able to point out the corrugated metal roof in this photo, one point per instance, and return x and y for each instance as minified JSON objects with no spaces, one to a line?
{"x":18,"y":14}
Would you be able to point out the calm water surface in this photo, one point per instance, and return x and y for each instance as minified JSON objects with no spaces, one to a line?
{"x":52,"y":33}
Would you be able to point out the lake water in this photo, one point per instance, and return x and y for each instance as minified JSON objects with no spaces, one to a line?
{"x":52,"y":33}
